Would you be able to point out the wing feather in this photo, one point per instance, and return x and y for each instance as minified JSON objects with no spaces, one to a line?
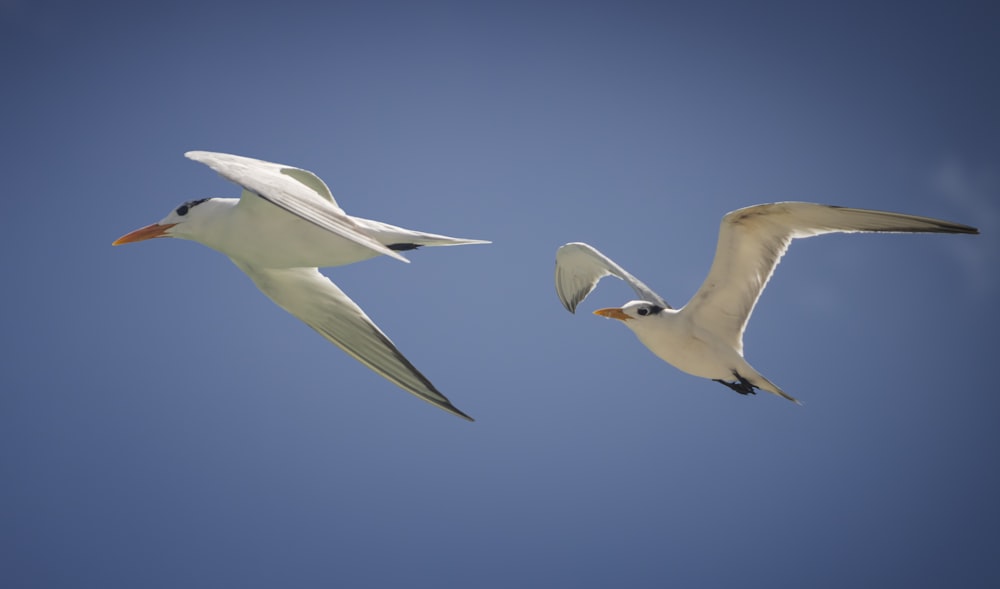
{"x":313,"y":298}
{"x":579,"y":267}
{"x":752,"y":241}
{"x":297,"y":191}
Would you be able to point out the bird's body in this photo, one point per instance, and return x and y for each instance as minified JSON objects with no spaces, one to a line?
{"x":285,"y":226}
{"x":697,"y":349}
{"x":255,"y":232}
{"x":705,"y":337}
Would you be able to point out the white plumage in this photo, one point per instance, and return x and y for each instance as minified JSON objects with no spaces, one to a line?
{"x":705,"y":337}
{"x":286,"y":225}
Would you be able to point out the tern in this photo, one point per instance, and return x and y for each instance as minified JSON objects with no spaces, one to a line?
{"x":705,"y":337}
{"x":283,"y":228}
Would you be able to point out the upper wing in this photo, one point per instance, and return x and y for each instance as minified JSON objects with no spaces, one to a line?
{"x":753,"y":239}
{"x":579,"y":267}
{"x":313,"y":298}
{"x":297,"y":191}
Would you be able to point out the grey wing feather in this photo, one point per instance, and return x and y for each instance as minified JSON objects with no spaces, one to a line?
{"x":579,"y":267}
{"x":752,"y":241}
{"x":313,"y":298}
{"x":297,"y":191}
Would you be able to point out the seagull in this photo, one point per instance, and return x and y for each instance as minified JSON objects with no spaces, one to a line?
{"x":283,"y":228}
{"x":705,"y":337}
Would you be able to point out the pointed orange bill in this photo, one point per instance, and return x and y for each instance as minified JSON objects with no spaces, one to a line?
{"x":612,"y":313}
{"x":147,"y":232}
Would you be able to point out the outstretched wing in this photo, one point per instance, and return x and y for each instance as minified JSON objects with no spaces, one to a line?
{"x":752,"y":241}
{"x":297,"y":191}
{"x":579,"y":267}
{"x":313,"y":298}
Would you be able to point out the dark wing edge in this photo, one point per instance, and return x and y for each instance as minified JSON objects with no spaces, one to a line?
{"x":580,"y":266}
{"x":319,"y":303}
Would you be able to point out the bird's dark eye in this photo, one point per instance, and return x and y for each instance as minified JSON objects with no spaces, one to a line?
{"x":643,"y":311}
{"x":184,"y":208}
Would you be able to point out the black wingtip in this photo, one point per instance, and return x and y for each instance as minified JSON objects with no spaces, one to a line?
{"x":949,"y":227}
{"x":452,"y":409}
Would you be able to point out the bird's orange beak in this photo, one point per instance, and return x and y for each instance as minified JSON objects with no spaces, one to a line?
{"x":612,"y":313}
{"x":147,"y":232}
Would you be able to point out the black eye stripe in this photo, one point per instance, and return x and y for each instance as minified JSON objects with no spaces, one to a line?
{"x":184,"y":208}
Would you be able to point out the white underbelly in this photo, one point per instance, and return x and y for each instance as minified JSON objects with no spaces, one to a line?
{"x":283,"y":240}
{"x":693,"y":355}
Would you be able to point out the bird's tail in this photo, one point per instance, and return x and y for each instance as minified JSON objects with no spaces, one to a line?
{"x":401,"y":239}
{"x":765,"y":385}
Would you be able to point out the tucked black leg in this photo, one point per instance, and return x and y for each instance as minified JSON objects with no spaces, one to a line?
{"x":402,"y":247}
{"x":741,"y":386}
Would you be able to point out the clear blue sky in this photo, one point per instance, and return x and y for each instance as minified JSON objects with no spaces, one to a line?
{"x":162,"y":424}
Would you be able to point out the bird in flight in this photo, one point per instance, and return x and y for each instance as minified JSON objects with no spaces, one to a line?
{"x":705,"y":337}
{"x":283,"y":228}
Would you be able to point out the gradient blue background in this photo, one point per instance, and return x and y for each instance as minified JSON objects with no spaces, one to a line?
{"x":162,"y":424}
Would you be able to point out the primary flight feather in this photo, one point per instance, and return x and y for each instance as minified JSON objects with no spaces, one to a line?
{"x":705,"y":337}
{"x":283,"y":228}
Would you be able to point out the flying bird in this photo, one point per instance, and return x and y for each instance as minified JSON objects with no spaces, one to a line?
{"x":283,"y":228}
{"x":705,"y":337}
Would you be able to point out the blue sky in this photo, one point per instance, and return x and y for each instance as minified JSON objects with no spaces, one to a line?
{"x":162,"y":424}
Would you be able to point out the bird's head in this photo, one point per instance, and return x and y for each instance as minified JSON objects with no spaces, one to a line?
{"x":178,"y":223}
{"x":633,"y":312}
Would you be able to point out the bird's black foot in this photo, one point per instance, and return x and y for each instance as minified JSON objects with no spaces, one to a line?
{"x":741,"y":386}
{"x":403,"y":247}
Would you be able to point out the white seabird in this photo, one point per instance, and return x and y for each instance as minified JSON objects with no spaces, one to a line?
{"x":705,"y":337}
{"x":283,"y":228}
